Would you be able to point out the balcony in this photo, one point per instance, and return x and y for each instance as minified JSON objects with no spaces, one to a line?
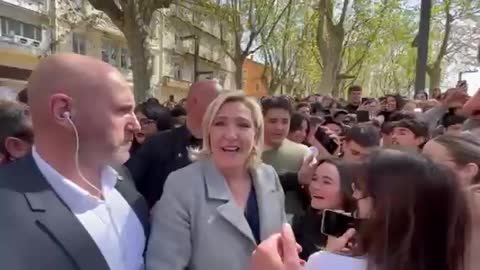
{"x":206,"y":51}
{"x":173,"y":83}
{"x":22,"y":44}
{"x":197,"y":21}
{"x":39,"y":6}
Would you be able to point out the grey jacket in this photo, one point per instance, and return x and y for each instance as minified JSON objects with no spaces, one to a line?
{"x":196,"y":225}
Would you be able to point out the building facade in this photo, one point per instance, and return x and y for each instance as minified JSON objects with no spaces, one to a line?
{"x":192,"y":48}
{"x":254,"y":78}
{"x":24,"y":37}
{"x":78,"y":28}
{"x":185,"y":45}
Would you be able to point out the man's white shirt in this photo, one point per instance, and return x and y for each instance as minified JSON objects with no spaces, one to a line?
{"x":111,"y":222}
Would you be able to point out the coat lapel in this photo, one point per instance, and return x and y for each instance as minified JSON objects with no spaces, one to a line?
{"x":264,"y":190}
{"x":136,"y":201}
{"x":55,"y":219}
{"x":217,"y":189}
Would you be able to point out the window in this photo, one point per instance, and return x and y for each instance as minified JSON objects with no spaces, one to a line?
{"x":29,"y":31}
{"x":4,"y":29}
{"x":178,"y":41}
{"x":115,"y":55}
{"x":10,"y":27}
{"x":124,"y":59}
{"x":77,"y":4}
{"x":14,"y":27}
{"x":78,"y":43}
{"x":177,"y":71}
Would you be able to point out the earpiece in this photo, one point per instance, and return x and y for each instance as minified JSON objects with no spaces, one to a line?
{"x":66,"y":115}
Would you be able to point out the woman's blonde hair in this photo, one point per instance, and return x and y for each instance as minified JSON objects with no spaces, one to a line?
{"x":212,"y":110}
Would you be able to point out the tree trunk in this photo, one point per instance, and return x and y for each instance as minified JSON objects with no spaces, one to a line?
{"x":435,"y":76}
{"x":138,"y":44}
{"x":239,"y":61}
{"x":331,"y":68}
{"x":330,"y":39}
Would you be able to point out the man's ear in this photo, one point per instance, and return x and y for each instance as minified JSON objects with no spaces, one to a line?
{"x":17,"y":148}
{"x":3,"y":159}
{"x":420,"y":140}
{"x":470,"y":171}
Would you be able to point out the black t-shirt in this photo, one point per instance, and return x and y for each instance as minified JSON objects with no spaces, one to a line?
{"x":194,"y":142}
{"x":307,"y":230}
{"x":351,"y":108}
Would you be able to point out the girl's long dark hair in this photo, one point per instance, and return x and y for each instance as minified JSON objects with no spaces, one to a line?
{"x":420,"y":216}
{"x":345,"y":171}
{"x":464,"y":149}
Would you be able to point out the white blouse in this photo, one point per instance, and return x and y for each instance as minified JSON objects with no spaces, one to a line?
{"x":324,"y":260}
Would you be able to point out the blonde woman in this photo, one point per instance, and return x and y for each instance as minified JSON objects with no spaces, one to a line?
{"x":214,"y":212}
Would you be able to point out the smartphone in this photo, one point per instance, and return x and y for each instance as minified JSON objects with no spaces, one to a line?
{"x":363,"y":116}
{"x":316,"y":120}
{"x":364,"y":99}
{"x":327,"y":142}
{"x":336,"y":223}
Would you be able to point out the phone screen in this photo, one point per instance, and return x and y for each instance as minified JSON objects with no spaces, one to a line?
{"x":336,"y":224}
{"x":327,"y":142}
{"x":363,"y":116}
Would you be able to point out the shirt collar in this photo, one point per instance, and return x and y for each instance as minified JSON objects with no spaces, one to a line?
{"x":72,"y":194}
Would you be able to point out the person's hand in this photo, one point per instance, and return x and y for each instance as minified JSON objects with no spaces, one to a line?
{"x":332,"y":135}
{"x":312,"y":140}
{"x":430,"y":103}
{"x":472,"y":105}
{"x":311,"y":135}
{"x":454,"y":97}
{"x":278,"y":252}
{"x":341,"y":244}
{"x":306,"y":172}
{"x":364,"y":106}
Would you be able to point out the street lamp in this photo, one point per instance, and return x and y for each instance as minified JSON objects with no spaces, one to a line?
{"x":460,"y":74}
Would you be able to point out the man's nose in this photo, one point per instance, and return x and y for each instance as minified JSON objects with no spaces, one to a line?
{"x":135,"y":125}
{"x":279,"y":126}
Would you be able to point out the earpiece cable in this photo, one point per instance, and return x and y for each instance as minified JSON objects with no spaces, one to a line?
{"x":77,"y":162}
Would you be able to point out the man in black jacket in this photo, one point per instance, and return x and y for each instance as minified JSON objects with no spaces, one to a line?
{"x":167,"y":151}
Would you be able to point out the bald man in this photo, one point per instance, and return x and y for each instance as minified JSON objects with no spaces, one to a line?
{"x":167,"y":151}
{"x":64,"y":206}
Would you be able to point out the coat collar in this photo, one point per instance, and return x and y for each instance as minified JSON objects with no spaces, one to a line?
{"x":217,"y":189}
{"x":55,"y":219}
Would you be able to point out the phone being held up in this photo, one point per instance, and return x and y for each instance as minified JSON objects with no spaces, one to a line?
{"x":325,"y":140}
{"x":336,"y":223}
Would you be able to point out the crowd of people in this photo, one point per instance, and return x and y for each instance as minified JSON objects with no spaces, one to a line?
{"x":89,"y":179}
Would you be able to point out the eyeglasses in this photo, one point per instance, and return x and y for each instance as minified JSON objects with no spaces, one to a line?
{"x":146,"y":122}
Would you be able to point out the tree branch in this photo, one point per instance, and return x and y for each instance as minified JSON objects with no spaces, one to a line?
{"x":254,"y":34}
{"x":111,"y":9}
{"x":446,"y":37}
{"x":344,"y":13}
{"x":148,"y":7}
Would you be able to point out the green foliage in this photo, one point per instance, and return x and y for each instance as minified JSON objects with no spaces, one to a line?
{"x":376,"y":40}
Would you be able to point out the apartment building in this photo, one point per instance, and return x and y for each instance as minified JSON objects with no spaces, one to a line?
{"x":192,"y":48}
{"x":24,"y":37}
{"x":185,"y":45}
